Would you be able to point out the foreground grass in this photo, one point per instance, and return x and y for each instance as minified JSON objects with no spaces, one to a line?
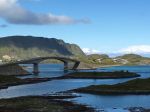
{"x":40,"y":104}
{"x":8,"y":79}
{"x":102,"y":75}
{"x":136,"y":86}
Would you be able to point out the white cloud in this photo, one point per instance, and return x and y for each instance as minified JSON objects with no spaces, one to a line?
{"x":90,"y":51}
{"x":12,"y":12}
{"x":138,"y":49}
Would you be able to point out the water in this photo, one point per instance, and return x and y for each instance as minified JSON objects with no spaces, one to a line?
{"x":46,"y":70}
{"x":97,"y":101}
{"x":121,"y":101}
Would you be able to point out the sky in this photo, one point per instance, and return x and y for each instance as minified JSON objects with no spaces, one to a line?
{"x":97,"y":26}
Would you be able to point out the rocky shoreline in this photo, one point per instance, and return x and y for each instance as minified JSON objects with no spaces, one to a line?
{"x":14,"y":70}
{"x":134,"y":87}
{"x":24,"y":81}
{"x":76,"y":75}
{"x":100,"y":75}
{"x":113,"y":92}
{"x":41,"y":104}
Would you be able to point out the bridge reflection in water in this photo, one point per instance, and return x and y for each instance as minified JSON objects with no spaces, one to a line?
{"x":36,"y":62}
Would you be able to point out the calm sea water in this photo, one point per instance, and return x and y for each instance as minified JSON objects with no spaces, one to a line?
{"x":97,"y":101}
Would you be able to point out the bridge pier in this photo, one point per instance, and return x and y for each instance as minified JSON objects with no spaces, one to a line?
{"x":35,"y":68}
{"x":75,"y":65}
{"x":65,"y":65}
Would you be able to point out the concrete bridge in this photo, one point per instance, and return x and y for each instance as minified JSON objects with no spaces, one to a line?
{"x":36,"y":62}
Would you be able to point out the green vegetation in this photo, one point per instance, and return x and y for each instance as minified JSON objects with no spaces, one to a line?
{"x":30,"y":104}
{"x":40,"y":104}
{"x":131,"y":57}
{"x":102,"y":75}
{"x":134,"y":59}
{"x":24,"y":47}
{"x":97,"y":56}
{"x":8,"y":79}
{"x":101,"y":59}
{"x":98,"y":60}
{"x":136,"y":86}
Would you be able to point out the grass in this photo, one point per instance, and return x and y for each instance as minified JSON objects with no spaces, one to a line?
{"x":40,"y":104}
{"x":8,"y":79}
{"x":34,"y":104}
{"x":136,"y":86}
{"x":116,"y":74}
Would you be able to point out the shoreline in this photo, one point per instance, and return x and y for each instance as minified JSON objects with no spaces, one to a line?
{"x":105,"y":66}
{"x":42,"y":103}
{"x":132,"y":87}
{"x":99,"y":66}
{"x":24,"y":81}
{"x":76,"y":75}
{"x":111,"y":92}
{"x":100,"y":75}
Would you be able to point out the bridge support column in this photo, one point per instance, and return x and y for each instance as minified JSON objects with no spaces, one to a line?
{"x":75,"y":65}
{"x":35,"y":68}
{"x":65,"y":65}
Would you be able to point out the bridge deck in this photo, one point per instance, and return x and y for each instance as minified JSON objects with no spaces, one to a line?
{"x":36,"y":61}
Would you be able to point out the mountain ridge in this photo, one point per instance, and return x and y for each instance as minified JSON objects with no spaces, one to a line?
{"x":32,"y":46}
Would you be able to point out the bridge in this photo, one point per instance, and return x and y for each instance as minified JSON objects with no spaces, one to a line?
{"x":38,"y":60}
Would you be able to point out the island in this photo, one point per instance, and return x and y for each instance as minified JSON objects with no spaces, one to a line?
{"x":136,"y":86}
{"x":101,"y":75}
{"x":10,"y":80}
{"x":41,"y":104}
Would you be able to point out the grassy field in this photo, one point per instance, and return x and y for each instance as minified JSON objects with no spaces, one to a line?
{"x":40,"y":104}
{"x":136,"y":86}
{"x":102,"y":75}
{"x":8,"y":79}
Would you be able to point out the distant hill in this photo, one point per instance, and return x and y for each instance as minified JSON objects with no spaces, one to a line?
{"x":23,"y":47}
{"x":127,"y":59}
{"x":134,"y":59}
{"x":98,"y":56}
{"x":102,"y":59}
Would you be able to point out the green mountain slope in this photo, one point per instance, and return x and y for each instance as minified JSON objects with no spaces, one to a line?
{"x":134,"y":59}
{"x":22,"y":47}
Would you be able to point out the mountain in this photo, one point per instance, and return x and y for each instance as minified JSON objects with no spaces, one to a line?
{"x":102,"y":59}
{"x":23,"y":47}
{"x":98,"y":56}
{"x":134,"y":59}
{"x":131,"y":57}
{"x":127,"y":59}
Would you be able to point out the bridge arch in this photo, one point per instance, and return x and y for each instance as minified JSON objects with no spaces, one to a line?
{"x":36,"y":61}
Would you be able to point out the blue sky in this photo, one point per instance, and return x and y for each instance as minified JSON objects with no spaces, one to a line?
{"x":107,"y":26}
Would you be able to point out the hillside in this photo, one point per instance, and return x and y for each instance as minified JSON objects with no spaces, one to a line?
{"x":127,"y":59}
{"x":22,"y":47}
{"x":102,"y":59}
{"x":134,"y":59}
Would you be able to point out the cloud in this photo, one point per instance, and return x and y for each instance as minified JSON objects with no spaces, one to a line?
{"x":3,"y":26}
{"x":90,"y":51}
{"x":12,"y":12}
{"x":137,"y":49}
